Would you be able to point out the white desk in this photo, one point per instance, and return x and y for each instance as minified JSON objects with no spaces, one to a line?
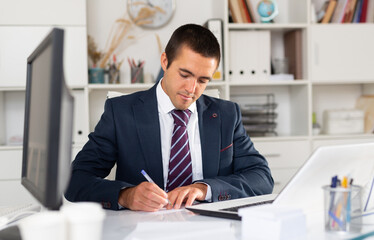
{"x":119,"y":224}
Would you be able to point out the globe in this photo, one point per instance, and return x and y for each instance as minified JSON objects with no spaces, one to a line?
{"x":267,"y":9}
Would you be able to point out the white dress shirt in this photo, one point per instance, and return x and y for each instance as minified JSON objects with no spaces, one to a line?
{"x":165,"y":106}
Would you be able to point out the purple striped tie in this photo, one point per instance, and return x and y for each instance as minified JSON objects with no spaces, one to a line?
{"x":180,"y":166}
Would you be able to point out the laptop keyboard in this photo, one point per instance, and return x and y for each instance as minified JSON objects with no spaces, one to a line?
{"x":235,"y":209}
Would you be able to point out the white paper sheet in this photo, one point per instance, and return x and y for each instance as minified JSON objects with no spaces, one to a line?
{"x":183,"y":230}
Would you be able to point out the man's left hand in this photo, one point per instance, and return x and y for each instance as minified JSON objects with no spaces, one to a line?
{"x":187,"y":194}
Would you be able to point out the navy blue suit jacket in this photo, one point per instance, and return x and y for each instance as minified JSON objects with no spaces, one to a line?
{"x":128,"y":134}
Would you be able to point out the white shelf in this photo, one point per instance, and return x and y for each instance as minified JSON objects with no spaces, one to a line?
{"x":342,"y":82}
{"x":12,"y":89}
{"x":119,"y":86}
{"x":267,"y":26}
{"x":344,"y":25}
{"x":10,"y":147}
{"x":216,"y":83}
{"x":271,"y":83}
{"x":281,"y":138}
{"x":344,"y":136}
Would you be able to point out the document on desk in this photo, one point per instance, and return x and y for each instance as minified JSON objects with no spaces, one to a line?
{"x":183,"y":231}
{"x":163,"y":211}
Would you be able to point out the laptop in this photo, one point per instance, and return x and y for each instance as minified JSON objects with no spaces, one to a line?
{"x":304,"y":190}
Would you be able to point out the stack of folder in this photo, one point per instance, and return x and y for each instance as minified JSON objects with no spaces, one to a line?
{"x":258,"y":115}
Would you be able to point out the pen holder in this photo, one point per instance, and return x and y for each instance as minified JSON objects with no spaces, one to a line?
{"x":137,"y":75}
{"x":342,"y":209}
{"x":96,"y":75}
{"x":113,"y":75}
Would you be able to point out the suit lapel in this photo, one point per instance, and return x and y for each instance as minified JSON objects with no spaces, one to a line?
{"x":148,"y":128}
{"x":210,"y":132}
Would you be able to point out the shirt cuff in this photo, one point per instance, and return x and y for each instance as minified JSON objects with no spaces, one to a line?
{"x":119,"y":205}
{"x":208,"y":196}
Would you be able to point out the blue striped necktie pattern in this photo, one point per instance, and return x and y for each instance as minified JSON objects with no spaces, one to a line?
{"x":180,"y":166}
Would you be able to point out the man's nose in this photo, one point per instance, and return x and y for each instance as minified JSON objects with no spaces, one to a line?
{"x":191,"y":85}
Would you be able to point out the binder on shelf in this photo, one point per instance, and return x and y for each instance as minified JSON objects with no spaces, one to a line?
{"x":249,"y":56}
{"x":2,"y":119}
{"x":329,"y":11}
{"x":80,"y":127}
{"x":216,"y":27}
{"x":293,"y":52}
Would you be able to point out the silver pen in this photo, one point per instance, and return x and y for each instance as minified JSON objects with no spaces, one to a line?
{"x":149,"y":179}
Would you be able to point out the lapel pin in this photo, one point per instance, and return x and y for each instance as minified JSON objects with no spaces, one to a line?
{"x":214,"y":115}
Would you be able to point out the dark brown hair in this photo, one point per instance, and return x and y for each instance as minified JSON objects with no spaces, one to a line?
{"x":198,"y":38}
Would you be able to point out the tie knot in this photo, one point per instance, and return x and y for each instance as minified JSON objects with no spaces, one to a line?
{"x":181,"y":117}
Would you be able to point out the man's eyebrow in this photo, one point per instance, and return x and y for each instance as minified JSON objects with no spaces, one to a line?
{"x":186,"y":71}
{"x":189,"y":72}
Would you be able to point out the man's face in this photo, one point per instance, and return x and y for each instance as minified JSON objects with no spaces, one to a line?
{"x":187,"y":77}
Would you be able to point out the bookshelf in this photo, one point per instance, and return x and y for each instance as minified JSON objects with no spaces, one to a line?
{"x":335,"y":72}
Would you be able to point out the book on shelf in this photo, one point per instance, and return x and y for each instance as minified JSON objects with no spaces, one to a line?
{"x":338,"y":15}
{"x":363,"y":11}
{"x":322,"y":11}
{"x":348,"y":15}
{"x":256,"y":15}
{"x":329,"y":11}
{"x":251,"y":11}
{"x":235,"y":11}
{"x":370,"y":11}
{"x":357,"y":14}
{"x":293,"y":52}
{"x":244,"y":11}
{"x":345,"y":10}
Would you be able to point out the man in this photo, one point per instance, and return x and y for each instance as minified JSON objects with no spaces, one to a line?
{"x":194,"y":147}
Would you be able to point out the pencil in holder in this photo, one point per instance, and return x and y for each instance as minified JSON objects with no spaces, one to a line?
{"x":137,"y":75}
{"x":342,"y":209}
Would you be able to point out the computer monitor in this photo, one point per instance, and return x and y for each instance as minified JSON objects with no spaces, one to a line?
{"x":48,"y":124}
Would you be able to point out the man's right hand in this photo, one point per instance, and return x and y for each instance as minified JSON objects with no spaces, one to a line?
{"x":143,"y":197}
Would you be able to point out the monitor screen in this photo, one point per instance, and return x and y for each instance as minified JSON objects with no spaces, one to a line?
{"x":48,"y":123}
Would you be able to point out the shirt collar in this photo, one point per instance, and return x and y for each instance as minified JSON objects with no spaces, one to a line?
{"x":164,"y":103}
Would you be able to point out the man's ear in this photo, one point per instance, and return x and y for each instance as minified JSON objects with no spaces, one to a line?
{"x":164,"y":61}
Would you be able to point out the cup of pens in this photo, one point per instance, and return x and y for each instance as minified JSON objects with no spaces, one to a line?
{"x":137,"y":71}
{"x":343,"y":208}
